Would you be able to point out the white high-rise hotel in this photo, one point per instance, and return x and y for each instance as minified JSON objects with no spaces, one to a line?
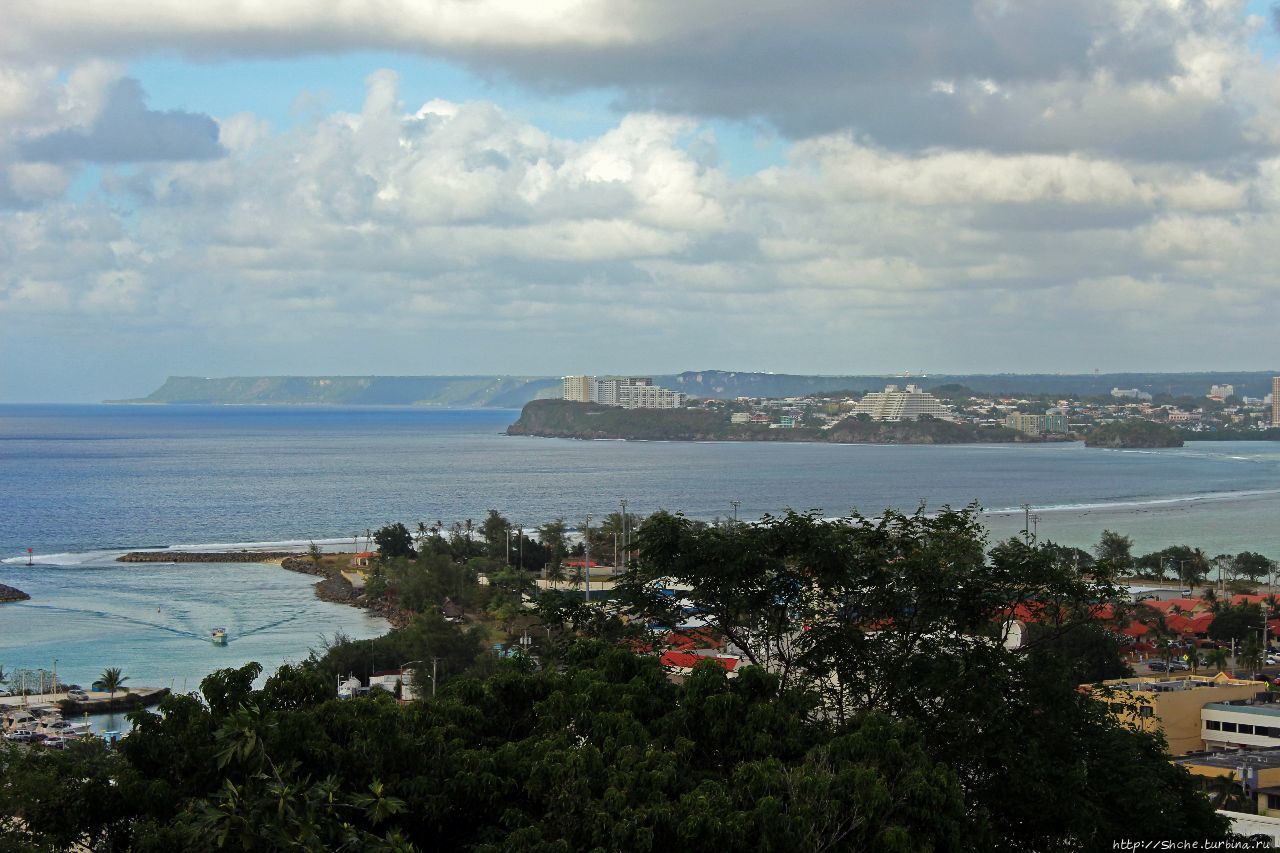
{"x":629,"y":392}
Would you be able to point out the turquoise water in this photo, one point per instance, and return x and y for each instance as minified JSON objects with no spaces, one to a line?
{"x":153,"y":620}
{"x":79,"y":484}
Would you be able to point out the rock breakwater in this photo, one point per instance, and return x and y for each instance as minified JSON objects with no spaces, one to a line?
{"x":8,"y":593}
{"x":203,"y":556}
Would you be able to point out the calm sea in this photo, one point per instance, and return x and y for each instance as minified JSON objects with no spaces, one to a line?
{"x":80,"y":483}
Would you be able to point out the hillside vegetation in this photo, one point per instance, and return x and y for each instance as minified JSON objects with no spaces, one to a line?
{"x":1134,"y":433}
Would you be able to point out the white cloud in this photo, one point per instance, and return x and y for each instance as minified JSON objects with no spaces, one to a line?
{"x":1140,"y":78}
{"x":965,"y":181}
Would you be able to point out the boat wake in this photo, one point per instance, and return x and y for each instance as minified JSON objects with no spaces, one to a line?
{"x":119,"y":618}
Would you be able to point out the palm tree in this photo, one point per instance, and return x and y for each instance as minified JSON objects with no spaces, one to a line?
{"x":1219,"y":658}
{"x":111,"y":681}
{"x":4,"y":677}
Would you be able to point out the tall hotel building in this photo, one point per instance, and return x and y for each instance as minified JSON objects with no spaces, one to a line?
{"x":629,"y":392}
{"x":1275,"y":401}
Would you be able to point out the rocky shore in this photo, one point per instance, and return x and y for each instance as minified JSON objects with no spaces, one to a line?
{"x":333,"y":587}
{"x":204,"y":556}
{"x":8,"y":593}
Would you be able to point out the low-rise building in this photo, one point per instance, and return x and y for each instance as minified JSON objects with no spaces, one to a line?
{"x":1244,"y":724}
{"x":1256,"y":772}
{"x":1173,"y":704}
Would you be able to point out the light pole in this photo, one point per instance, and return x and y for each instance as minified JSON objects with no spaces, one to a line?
{"x":586,"y":562}
{"x":402,"y":666}
{"x":734,"y":504}
{"x":626,"y":529}
{"x":1026,"y":522}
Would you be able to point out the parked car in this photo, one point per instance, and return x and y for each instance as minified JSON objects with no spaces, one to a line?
{"x":1179,"y":666}
{"x":20,"y":737}
{"x":1157,"y":666}
{"x":78,"y":695}
{"x":56,"y":742}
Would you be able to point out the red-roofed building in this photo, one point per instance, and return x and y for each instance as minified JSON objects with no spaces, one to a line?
{"x":680,"y":664}
{"x":1187,"y":605}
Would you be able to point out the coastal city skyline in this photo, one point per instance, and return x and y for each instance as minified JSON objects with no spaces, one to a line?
{"x":450,"y":188}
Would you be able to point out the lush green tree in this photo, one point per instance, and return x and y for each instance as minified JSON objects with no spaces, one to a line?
{"x":1115,"y":548}
{"x":1252,"y":565}
{"x":315,"y":554}
{"x":394,"y":540}
{"x":1250,"y":653}
{"x":495,"y":533}
{"x":604,"y":753}
{"x":907,"y":615}
{"x":1236,"y":623}
{"x":111,"y":680}
{"x":1188,"y":564}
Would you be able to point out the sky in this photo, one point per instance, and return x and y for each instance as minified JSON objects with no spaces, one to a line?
{"x":409,"y":187}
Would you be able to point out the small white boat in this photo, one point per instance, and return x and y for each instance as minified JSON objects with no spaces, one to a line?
{"x":218,"y":636}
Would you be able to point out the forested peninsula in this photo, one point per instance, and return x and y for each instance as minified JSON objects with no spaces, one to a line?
{"x":1134,"y":433}
{"x":566,"y":419}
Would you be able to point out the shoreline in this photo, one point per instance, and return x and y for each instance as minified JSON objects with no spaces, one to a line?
{"x":336,"y":589}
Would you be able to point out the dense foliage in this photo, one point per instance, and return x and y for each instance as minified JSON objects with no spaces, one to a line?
{"x":884,"y":711}
{"x":1134,"y":432}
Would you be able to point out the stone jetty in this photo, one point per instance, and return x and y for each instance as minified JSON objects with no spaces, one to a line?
{"x":8,"y":593}
{"x":203,"y":556}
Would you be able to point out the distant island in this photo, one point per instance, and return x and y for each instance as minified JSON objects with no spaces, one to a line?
{"x":1134,"y":433}
{"x":514,"y":391}
{"x":567,"y":419}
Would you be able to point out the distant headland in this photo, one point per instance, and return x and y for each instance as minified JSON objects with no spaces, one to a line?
{"x":515,"y":391}
{"x":568,"y":419}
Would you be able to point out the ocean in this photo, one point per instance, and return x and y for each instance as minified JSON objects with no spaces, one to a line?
{"x":80,"y":484}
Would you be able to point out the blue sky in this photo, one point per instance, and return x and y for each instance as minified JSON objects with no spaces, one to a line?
{"x":964,"y":185}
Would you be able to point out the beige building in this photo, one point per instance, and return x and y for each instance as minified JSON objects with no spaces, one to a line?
{"x":1173,"y":703}
{"x":577,"y":388}
{"x":1275,"y":401}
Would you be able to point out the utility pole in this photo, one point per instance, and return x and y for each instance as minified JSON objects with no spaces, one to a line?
{"x":734,"y":504}
{"x":1026,"y":522}
{"x":586,"y":567}
{"x":508,"y":544}
{"x":520,"y":546}
{"x":434,"y":661}
{"x":1035,"y":528}
{"x":626,"y":530}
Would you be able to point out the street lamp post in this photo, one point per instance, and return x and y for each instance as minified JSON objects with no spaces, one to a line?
{"x":734,"y":504}
{"x":626,"y":539}
{"x":402,"y":666}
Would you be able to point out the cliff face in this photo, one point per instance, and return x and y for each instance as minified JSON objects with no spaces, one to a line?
{"x":565,"y":419}
{"x":455,"y":391}
{"x":1134,"y":434}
